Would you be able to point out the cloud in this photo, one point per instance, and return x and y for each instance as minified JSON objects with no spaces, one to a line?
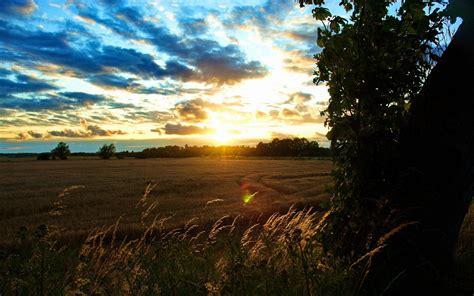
{"x":83,"y":98}
{"x":223,"y":65}
{"x":213,"y":62}
{"x":34,"y":104}
{"x":299,"y":61}
{"x":59,"y":101}
{"x":261,"y":16}
{"x":68,"y":133}
{"x":88,"y":131}
{"x":21,"y":137}
{"x":35,"y":135}
{"x":190,"y":57}
{"x":17,"y":7}
{"x":289,"y":113}
{"x":54,"y":48}
{"x":113,"y":81}
{"x":95,"y":130}
{"x":157,"y":130}
{"x":29,"y":135}
{"x":320,"y":137}
{"x":148,"y":116}
{"x":192,"y":110}
{"x":193,"y":26}
{"x":299,"y":97}
{"x":178,"y":129}
{"x":22,"y":84}
{"x":300,"y":101}
{"x":280,"y":136}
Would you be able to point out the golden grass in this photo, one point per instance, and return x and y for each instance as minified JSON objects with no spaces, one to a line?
{"x":202,"y":188}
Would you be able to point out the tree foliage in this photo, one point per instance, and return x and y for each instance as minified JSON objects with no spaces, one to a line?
{"x":61,"y":151}
{"x":296,"y":147}
{"x":106,"y":151}
{"x":374,"y":64}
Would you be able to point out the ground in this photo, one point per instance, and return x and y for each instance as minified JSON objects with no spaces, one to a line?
{"x":108,"y":189}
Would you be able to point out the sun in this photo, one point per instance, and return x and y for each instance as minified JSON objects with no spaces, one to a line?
{"x":222,"y":135}
{"x":222,"y":132}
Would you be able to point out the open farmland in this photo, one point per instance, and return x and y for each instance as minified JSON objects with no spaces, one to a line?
{"x":110,"y":189}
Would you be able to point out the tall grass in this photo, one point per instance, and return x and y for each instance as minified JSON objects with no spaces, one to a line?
{"x":233,"y":256}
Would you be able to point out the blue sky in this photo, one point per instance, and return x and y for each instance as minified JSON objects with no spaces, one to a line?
{"x":149,"y":73}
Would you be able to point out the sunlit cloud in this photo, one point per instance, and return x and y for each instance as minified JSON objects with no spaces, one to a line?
{"x":156,"y":70}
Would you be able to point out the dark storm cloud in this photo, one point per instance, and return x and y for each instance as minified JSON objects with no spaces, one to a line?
{"x":178,"y":129}
{"x":17,"y":7}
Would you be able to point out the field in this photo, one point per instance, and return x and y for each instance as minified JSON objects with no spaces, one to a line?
{"x":101,"y":191}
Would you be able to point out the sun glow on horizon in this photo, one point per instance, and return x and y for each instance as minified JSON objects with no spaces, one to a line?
{"x":231,"y":81}
{"x":222,"y":133}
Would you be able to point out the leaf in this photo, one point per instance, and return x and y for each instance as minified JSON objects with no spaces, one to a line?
{"x":335,"y":27}
{"x":321,"y":13}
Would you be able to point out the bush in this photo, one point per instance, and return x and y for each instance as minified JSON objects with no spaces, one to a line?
{"x":106,"y":151}
{"x":43,"y":156}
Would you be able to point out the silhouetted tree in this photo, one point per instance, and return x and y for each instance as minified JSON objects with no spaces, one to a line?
{"x":398,"y":205}
{"x":61,"y":151}
{"x":299,"y":147}
{"x":106,"y":151}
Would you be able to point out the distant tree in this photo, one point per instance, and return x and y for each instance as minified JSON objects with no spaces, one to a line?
{"x":106,"y":151}
{"x":61,"y":151}
{"x":43,"y":156}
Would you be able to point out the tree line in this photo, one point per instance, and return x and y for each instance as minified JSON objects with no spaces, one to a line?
{"x":296,"y":147}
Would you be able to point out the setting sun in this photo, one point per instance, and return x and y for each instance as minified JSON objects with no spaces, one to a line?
{"x":222,"y":136}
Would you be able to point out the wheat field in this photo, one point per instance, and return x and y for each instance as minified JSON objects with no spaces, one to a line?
{"x":98,"y":192}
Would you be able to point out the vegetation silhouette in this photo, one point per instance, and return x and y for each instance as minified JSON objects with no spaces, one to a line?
{"x":43,"y":156}
{"x":397,"y":207}
{"x":297,"y":147}
{"x":106,"y":151}
{"x":61,"y":151}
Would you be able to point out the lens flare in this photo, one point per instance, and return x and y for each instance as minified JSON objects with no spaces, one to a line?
{"x":248,"y":197}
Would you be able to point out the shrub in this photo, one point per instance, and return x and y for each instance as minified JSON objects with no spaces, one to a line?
{"x":43,"y":156}
{"x":106,"y":151}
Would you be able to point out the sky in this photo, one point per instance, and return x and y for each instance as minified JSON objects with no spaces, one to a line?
{"x":159,"y":72}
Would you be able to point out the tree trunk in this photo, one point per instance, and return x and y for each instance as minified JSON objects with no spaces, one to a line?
{"x":436,"y":185}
